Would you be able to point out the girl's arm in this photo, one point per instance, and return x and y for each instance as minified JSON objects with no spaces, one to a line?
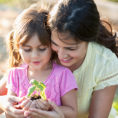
{"x":101,"y":102}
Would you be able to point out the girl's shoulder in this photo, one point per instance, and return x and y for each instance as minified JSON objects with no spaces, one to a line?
{"x":59,"y":68}
{"x":21,"y":68}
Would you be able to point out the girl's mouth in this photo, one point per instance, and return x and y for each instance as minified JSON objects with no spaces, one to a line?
{"x":36,"y":62}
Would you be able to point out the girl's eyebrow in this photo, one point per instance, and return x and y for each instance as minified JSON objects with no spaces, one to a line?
{"x":25,"y":45}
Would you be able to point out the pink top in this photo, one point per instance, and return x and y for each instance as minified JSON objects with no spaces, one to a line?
{"x":59,"y":82}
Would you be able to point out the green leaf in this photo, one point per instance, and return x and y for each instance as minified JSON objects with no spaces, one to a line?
{"x":31,"y":90}
{"x":43,"y":95}
{"x":41,"y":86}
{"x":34,"y":82}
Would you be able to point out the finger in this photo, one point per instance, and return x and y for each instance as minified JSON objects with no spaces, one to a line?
{"x":54,"y":106}
{"x":24,"y":103}
{"x":46,"y":103}
{"x":26,"y":114}
{"x":23,"y":98}
{"x":33,"y":104}
{"x":37,"y":112}
{"x":13,"y":99}
{"x":42,"y":105}
{"x":27,"y":106}
{"x":16,"y":112}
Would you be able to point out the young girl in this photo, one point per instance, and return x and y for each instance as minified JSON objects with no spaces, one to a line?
{"x":31,"y":57}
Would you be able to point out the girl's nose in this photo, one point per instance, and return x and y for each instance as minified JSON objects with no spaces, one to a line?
{"x":35,"y":53}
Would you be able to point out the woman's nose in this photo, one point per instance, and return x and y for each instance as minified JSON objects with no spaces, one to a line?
{"x":61,"y":52}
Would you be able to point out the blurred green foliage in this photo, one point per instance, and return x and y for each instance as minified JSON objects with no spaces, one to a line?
{"x":115,"y":105}
{"x":114,"y":0}
{"x":18,"y":3}
{"x":6,"y":1}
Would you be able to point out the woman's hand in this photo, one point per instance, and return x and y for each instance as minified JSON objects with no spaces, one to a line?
{"x":7,"y":103}
{"x":38,"y":113}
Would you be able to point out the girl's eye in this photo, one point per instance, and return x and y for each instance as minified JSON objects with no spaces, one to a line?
{"x":42,"y":49}
{"x":27,"y":50}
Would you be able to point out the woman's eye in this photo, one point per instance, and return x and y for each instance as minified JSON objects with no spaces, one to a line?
{"x":71,"y":49}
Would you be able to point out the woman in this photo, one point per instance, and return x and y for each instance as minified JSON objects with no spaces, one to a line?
{"x":85,"y":46}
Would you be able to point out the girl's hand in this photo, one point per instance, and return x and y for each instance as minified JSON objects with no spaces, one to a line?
{"x":37,"y":104}
{"x":38,"y":113}
{"x":26,"y":103}
{"x":8,"y":106}
{"x":42,"y":104}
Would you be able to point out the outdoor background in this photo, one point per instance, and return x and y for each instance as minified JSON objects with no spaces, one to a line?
{"x":9,"y":10}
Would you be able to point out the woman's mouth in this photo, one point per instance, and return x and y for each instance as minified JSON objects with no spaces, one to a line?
{"x":66,"y":60}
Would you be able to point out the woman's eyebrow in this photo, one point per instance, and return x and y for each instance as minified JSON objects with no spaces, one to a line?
{"x":64,"y":47}
{"x":54,"y":42}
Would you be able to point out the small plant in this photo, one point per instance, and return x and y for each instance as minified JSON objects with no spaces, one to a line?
{"x":35,"y":89}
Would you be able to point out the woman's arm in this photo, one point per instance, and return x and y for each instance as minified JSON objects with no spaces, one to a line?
{"x":69,"y":104}
{"x":101,"y":102}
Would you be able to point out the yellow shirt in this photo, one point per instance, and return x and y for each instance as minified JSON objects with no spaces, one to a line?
{"x":99,"y":70}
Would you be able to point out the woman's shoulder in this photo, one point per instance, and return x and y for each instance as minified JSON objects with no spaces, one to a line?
{"x":102,"y":52}
{"x":105,"y":61}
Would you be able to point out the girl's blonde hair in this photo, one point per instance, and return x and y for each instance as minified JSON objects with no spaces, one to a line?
{"x":31,"y":21}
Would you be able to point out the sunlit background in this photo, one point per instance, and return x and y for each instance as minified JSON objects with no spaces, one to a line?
{"x":9,"y":9}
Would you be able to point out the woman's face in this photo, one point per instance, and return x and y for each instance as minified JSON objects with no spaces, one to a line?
{"x":70,"y":53}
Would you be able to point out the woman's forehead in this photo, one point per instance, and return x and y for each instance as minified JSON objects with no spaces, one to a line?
{"x":64,"y":37}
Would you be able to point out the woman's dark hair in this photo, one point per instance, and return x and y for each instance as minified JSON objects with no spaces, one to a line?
{"x":81,"y":19}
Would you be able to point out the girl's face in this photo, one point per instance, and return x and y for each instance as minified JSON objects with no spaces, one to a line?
{"x":70,"y":53}
{"x":36,"y":55}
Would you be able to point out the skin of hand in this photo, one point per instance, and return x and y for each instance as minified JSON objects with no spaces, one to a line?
{"x":101,"y":102}
{"x":27,"y":104}
{"x":38,"y":113}
{"x":8,"y":106}
{"x":69,"y":108}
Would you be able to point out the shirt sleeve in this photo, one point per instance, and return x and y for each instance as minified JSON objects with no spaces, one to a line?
{"x":12,"y":83}
{"x":108,"y":74}
{"x":68,"y":82}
